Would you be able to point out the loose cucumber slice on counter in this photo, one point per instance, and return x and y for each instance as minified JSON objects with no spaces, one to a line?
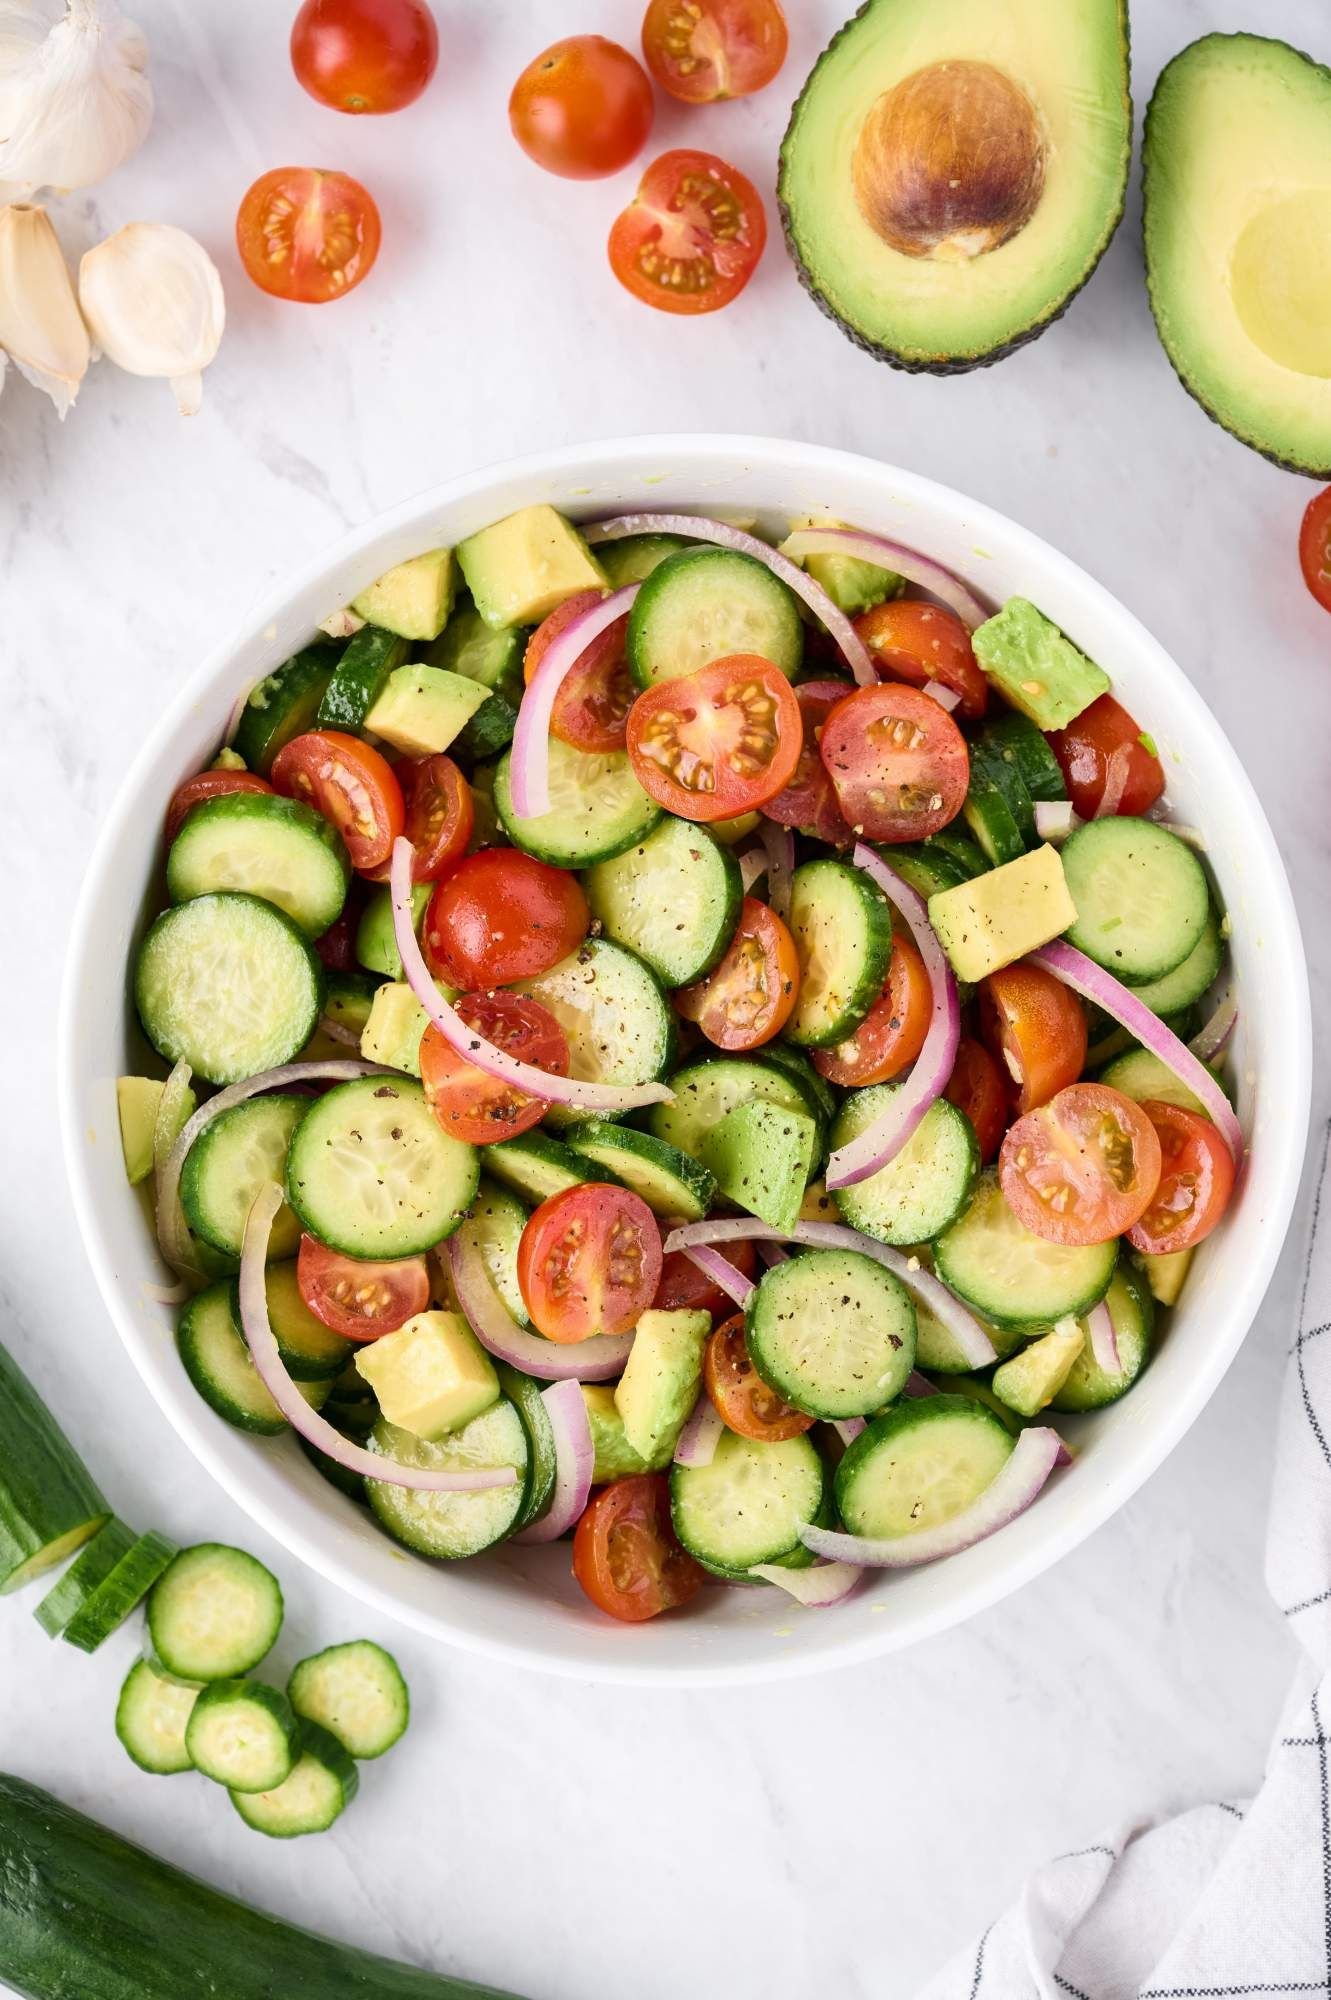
{"x":151,"y":1718}
{"x":213,"y":1613}
{"x":321,"y":1783}
{"x":356,"y":1692}
{"x":242,"y":1734}
{"x":109,"y":1603}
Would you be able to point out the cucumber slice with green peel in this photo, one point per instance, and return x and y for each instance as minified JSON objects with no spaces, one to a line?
{"x":927,"y":873}
{"x":597,"y":808}
{"x":356,"y":1692}
{"x":670,"y":1182}
{"x":991,"y":761}
{"x":1142,"y":1076}
{"x":91,"y":1567}
{"x":989,"y":817}
{"x":260,"y":845}
{"x":284,"y":704}
{"x":49,"y":1506}
{"x":673,"y":898}
{"x":217,"y":1359}
{"x":309,"y":1350}
{"x":925,"y":1187}
{"x":936,"y":1348}
{"x":320,"y":1785}
{"x":121,"y":1591}
{"x":493,"y":1226}
{"x":919,"y":1465}
{"x":706,"y":604}
{"x":359,"y":678}
{"x":228,"y":984}
{"x":213,"y":1613}
{"x":832,"y":1333}
{"x":542,"y":1466}
{"x":1015,"y":738}
{"x":1180,"y":989}
{"x":230,"y":1161}
{"x":705,"y":1091}
{"x":370,"y":1172}
{"x":151,"y":1718}
{"x":633,"y":559}
{"x":242,"y":1734}
{"x":1141,"y":896}
{"x":451,"y":1526}
{"x":488,"y":733}
{"x":842,"y":927}
{"x":348,"y":998}
{"x":821,"y":1100}
{"x":956,"y":845}
{"x":1012,"y":1276}
{"x":1132,"y":1309}
{"x":619,"y":1024}
{"x":749,"y":1504}
{"x":489,"y":655}
{"x":536,"y":1166}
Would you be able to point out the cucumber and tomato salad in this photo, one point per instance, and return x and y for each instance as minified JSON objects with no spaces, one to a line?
{"x":764,"y":895}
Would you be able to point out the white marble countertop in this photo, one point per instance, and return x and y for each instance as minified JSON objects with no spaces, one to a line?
{"x":574,"y":1842}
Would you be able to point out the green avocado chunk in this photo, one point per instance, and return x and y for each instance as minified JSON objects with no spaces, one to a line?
{"x":1035,"y":667}
{"x":762,"y":1157}
{"x":661,"y":1379}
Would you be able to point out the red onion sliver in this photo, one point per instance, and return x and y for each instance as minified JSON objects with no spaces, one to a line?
{"x":484,"y":1055}
{"x":529,"y":766}
{"x":1093,"y":983}
{"x":723,"y":1273}
{"x":699,"y":529}
{"x":338,"y":1031}
{"x":1055,"y":819}
{"x":917,"y":1385}
{"x":1214,"y":1034}
{"x":818,"y":1588}
{"x":1033,"y":1458}
{"x":922,"y":571}
{"x":166,"y":1295}
{"x":779,"y":847}
{"x":880,"y":1142}
{"x":772,"y":1253}
{"x":575,"y":1458}
{"x":700,"y":1436}
{"x":848,"y":1428}
{"x":173,"y":1235}
{"x":1104,"y":1340}
{"x":752,"y":867}
{"x":600,"y":1359}
{"x":946,"y":697}
{"x":1117,"y":772}
{"x":314,"y":1428}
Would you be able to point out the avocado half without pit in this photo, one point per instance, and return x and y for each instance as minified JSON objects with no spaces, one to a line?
{"x":953,"y":170}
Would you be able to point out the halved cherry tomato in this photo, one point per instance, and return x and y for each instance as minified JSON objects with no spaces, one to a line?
{"x":364,"y":55}
{"x":1037,"y":1027}
{"x":1315,"y":547}
{"x":468,"y":1103}
{"x":717,"y":743}
{"x":625,"y":1554}
{"x":892,"y":1033}
{"x":502,"y":916}
{"x":1082,"y":1168}
{"x":356,"y":1298}
{"x":751,"y":994}
{"x":207,"y":785}
{"x":898,"y":761}
{"x":306,"y":234}
{"x":976,"y":1087}
{"x":684,"y":1287}
{"x":917,"y":642}
{"x":589,"y":1261}
{"x":350,"y":784}
{"x":690,"y":239}
{"x":809,"y":801}
{"x":1103,"y":734}
{"x":597,"y":693}
{"x":738,"y":1393}
{"x":582,"y":108}
{"x":440,"y":814}
{"x":702,"y":50}
{"x":1196,"y":1181}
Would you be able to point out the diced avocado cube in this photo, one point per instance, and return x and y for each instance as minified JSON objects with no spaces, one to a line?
{"x":761,"y":1157}
{"x":615,"y":1456}
{"x":998,"y":917}
{"x":393,"y":1032}
{"x":422,"y":709}
{"x":661,"y":1379}
{"x":1035,"y":667}
{"x":413,"y":599}
{"x":1032,"y":1378}
{"x":376,"y":946}
{"x":520,"y":568}
{"x":432,"y":1376}
{"x":227,"y":760}
{"x":1165,"y":1273}
{"x":137,"y":1101}
{"x":468,"y":646}
{"x":854,"y":586}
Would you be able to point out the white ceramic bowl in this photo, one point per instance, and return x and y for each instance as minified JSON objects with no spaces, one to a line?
{"x":521,"y":1605}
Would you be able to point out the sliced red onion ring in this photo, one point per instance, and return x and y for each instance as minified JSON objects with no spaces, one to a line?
{"x":779,"y":847}
{"x":700,"y":1436}
{"x":698,"y":528}
{"x":600,"y":1359}
{"x":1055,"y":819}
{"x":848,"y":1428}
{"x":166,"y":1295}
{"x":880,"y":1142}
{"x":484,"y":1055}
{"x":917,"y":1385}
{"x":1033,"y":1458}
{"x":752,"y":867}
{"x":338,"y":1031}
{"x":1104,"y":1340}
{"x":529,"y":768}
{"x":922,"y":571}
{"x":1093,"y":983}
{"x":1214,"y":1034}
{"x":723,"y":1273}
{"x":772,"y":1253}
{"x":1116,"y":782}
{"x":238,"y":708}
{"x":946,"y":697}
{"x":173,"y":1235}
{"x":575,"y":1458}
{"x":818,"y":1588}
{"x":314,"y":1428}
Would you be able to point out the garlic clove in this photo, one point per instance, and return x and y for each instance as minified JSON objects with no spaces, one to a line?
{"x":74,"y":97}
{"x":40,"y":326}
{"x":153,"y":302}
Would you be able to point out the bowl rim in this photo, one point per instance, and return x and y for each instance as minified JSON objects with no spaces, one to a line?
{"x":991,"y":1584}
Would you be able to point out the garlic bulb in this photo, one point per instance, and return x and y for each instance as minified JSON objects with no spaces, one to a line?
{"x":40,"y":326}
{"x":74,"y":99}
{"x":153,"y":302}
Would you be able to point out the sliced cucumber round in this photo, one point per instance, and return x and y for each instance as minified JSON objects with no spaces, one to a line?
{"x":597,"y":808}
{"x":705,"y":604}
{"x":493,"y":1225}
{"x":919,"y":1465}
{"x":217,"y":1360}
{"x":262,"y":845}
{"x":749,"y":1504}
{"x":705,"y":1091}
{"x":359,"y":678}
{"x":320,"y":1784}
{"x":453,"y":1525}
{"x":242,"y":1734}
{"x":356,"y":1692}
{"x":536,"y":1166}
{"x":1186,"y":984}
{"x":310,"y":1351}
{"x":214,"y":1612}
{"x":832,"y":1332}
{"x":921,"y":1191}
{"x":1141,"y":897}
{"x":842,"y":926}
{"x":230,"y":1161}
{"x":284,"y":704}
{"x":634,"y":557}
{"x":1012,"y":1276}
{"x":1140,"y":1075}
{"x":151,"y":1718}
{"x":227,"y":984}
{"x":542,"y":1467}
{"x":1132,"y":1309}
{"x":669,"y":1181}
{"x":673,"y":898}
{"x":618,"y":1022}
{"x":371,"y":1173}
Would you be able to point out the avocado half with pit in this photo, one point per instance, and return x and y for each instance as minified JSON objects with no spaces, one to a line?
{"x":953,"y":170}
{"x":1237,"y":190}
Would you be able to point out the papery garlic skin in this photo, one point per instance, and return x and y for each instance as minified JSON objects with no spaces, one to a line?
{"x":41,"y":328}
{"x":153,"y":302}
{"x":74,"y":97}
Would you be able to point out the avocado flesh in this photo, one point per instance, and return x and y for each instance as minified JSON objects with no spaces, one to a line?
{"x":947,"y":313}
{"x":1237,"y":190}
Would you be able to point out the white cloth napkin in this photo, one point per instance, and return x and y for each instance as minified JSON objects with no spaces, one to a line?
{"x":1227,"y":1900}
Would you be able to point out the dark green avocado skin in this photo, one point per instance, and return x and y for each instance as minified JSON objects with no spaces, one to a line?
{"x":943,"y":364}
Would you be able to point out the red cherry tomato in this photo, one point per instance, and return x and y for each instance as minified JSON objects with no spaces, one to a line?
{"x":350,"y":784}
{"x":1196,"y":1181}
{"x":683,"y":1286}
{"x":976,"y":1087}
{"x":207,"y":785}
{"x":625,"y":1555}
{"x":809,"y":801}
{"x":892,"y":1033}
{"x":1104,"y":736}
{"x":356,"y":1298}
{"x":364,"y":55}
{"x":690,"y":239}
{"x":1037,"y":1028}
{"x":589,"y":1262}
{"x":1082,"y":1168}
{"x":751,"y":994}
{"x":307,"y":235}
{"x":595,"y":696}
{"x":502,"y":916}
{"x":440,"y":814}
{"x":898,"y":761}
{"x":582,"y":109}
{"x":468,"y":1103}
{"x":717,"y":743}
{"x":911,"y":641}
{"x":702,"y":50}
{"x":738,"y":1393}
{"x":1315,"y":547}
